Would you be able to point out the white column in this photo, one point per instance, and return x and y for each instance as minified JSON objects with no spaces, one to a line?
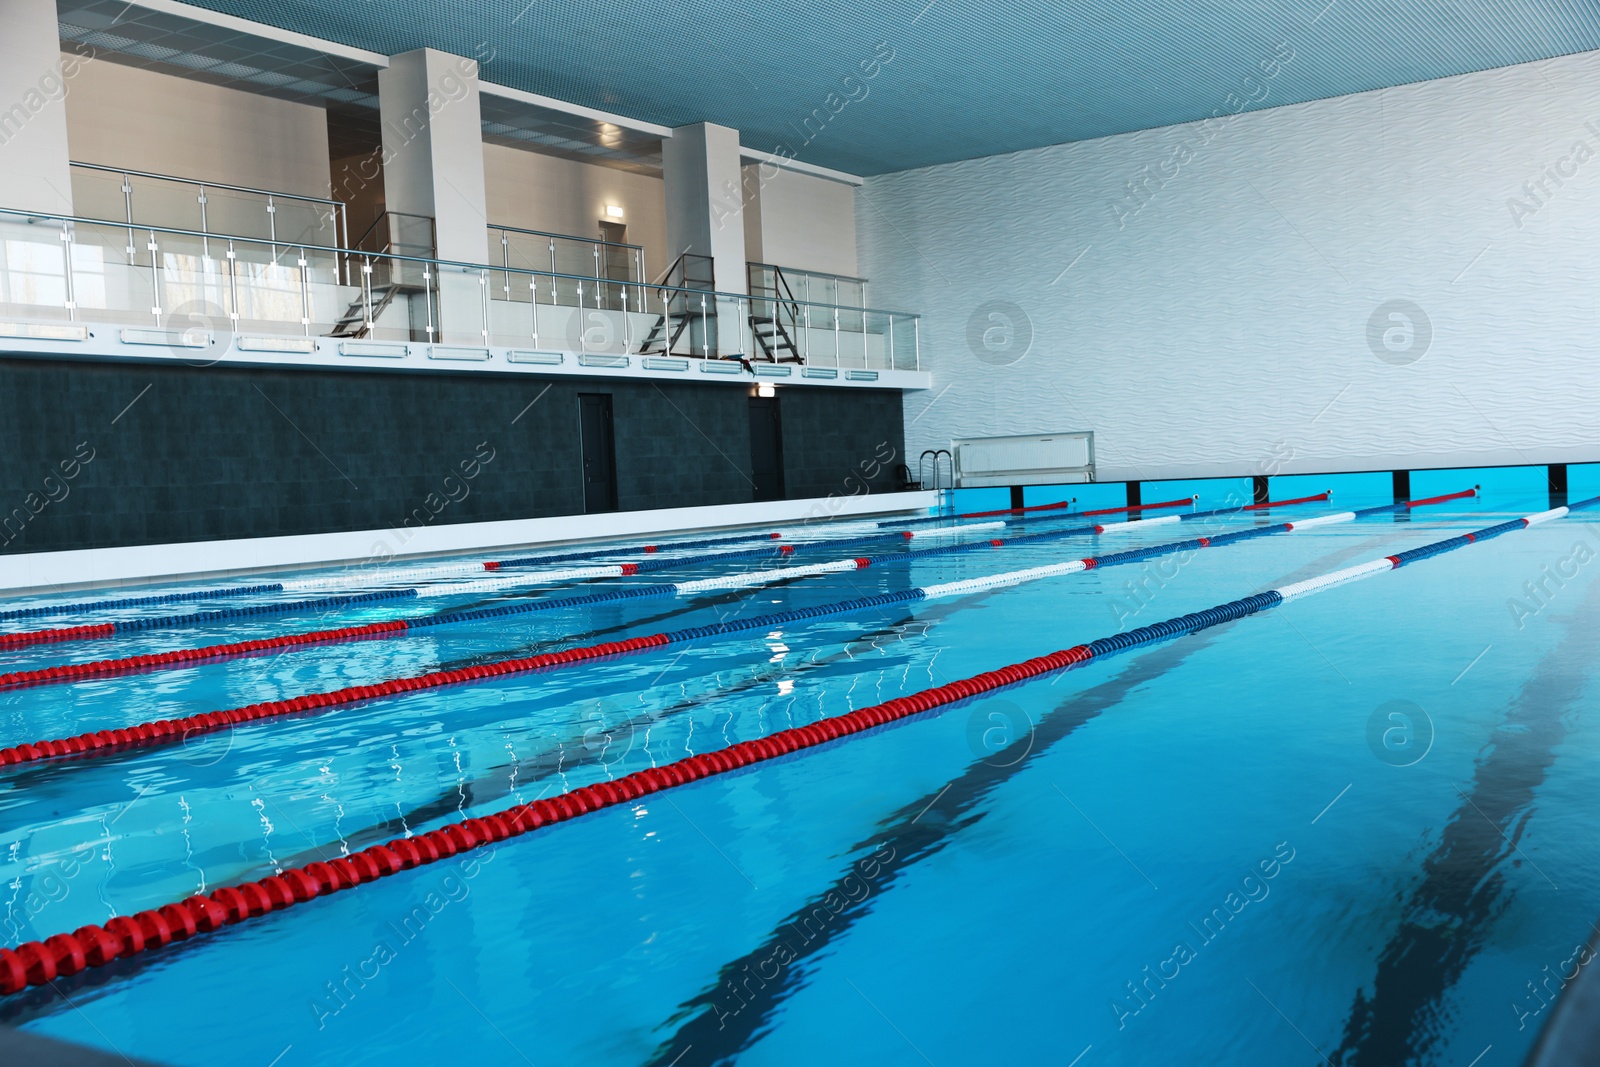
{"x":33,"y":113}
{"x":433,"y":147}
{"x":705,"y":204}
{"x":433,"y":166}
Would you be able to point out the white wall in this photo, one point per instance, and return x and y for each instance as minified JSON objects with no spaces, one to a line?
{"x":539,"y":192}
{"x":34,"y":81}
{"x":799,"y":220}
{"x":1223,"y":326}
{"x":125,"y":117}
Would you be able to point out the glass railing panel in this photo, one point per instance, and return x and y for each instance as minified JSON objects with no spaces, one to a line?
{"x":110,"y":283}
{"x":238,"y":215}
{"x":97,"y":194}
{"x":33,"y":269}
{"x":163,"y":203}
{"x":570,"y":257}
{"x":306,"y":222}
{"x":903,"y":342}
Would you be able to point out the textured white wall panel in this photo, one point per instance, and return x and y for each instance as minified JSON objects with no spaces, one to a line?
{"x":1223,"y":326}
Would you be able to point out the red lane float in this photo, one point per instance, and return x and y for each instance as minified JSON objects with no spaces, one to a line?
{"x":67,"y":672}
{"x":1426,"y":501}
{"x":1286,"y":503}
{"x":63,"y":955}
{"x":63,"y":633}
{"x":1100,"y":511}
{"x":171,"y":731}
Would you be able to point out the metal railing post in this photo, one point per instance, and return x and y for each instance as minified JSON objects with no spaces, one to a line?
{"x":155,"y":279}
{"x":366,"y":295}
{"x":233,"y":284}
{"x":66,"y":262}
{"x":705,"y":330}
{"x":627,"y":324}
{"x":205,"y":242}
{"x":748,"y":342}
{"x":427,"y":297}
{"x":483,"y":292}
{"x":305,"y":294}
{"x":505,"y":259}
{"x":127,"y":207}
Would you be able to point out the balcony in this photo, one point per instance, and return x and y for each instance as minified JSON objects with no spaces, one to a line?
{"x":265,"y":273}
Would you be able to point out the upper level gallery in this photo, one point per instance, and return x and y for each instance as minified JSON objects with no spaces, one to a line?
{"x":180,"y":184}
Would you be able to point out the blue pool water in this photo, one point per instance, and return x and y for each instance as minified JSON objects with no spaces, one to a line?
{"x":1226,"y":849}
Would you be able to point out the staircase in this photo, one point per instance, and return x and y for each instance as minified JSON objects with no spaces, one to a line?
{"x":664,"y":332}
{"x":775,"y":340}
{"x":392,"y":233}
{"x":354,"y":321}
{"x":680,"y":313}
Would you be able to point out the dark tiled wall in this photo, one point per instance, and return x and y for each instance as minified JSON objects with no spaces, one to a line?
{"x":192,"y":454}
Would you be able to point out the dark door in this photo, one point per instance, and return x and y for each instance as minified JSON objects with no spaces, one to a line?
{"x":616,"y":263}
{"x":599,"y":452}
{"x":766,"y":448}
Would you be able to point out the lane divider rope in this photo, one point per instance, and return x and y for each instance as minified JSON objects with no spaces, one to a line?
{"x":1099,"y":511}
{"x":26,"y":638}
{"x":432,"y":570}
{"x":170,"y":731}
{"x":750,"y":579}
{"x":94,"y":945}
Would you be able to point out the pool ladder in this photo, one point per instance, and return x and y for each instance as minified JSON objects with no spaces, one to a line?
{"x":945,"y":486}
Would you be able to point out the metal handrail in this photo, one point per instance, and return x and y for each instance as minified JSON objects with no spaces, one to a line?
{"x":207,"y":184}
{"x":385,"y":215}
{"x":338,"y":207}
{"x":564,"y":237}
{"x":486,"y":267}
{"x":802,"y":270}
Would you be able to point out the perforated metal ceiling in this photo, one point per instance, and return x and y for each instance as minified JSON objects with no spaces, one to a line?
{"x":870,"y":86}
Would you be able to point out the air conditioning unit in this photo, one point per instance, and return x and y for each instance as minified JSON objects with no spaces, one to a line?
{"x":1032,"y":459}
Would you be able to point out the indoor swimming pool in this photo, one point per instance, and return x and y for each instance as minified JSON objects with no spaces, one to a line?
{"x":1293,"y":836}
